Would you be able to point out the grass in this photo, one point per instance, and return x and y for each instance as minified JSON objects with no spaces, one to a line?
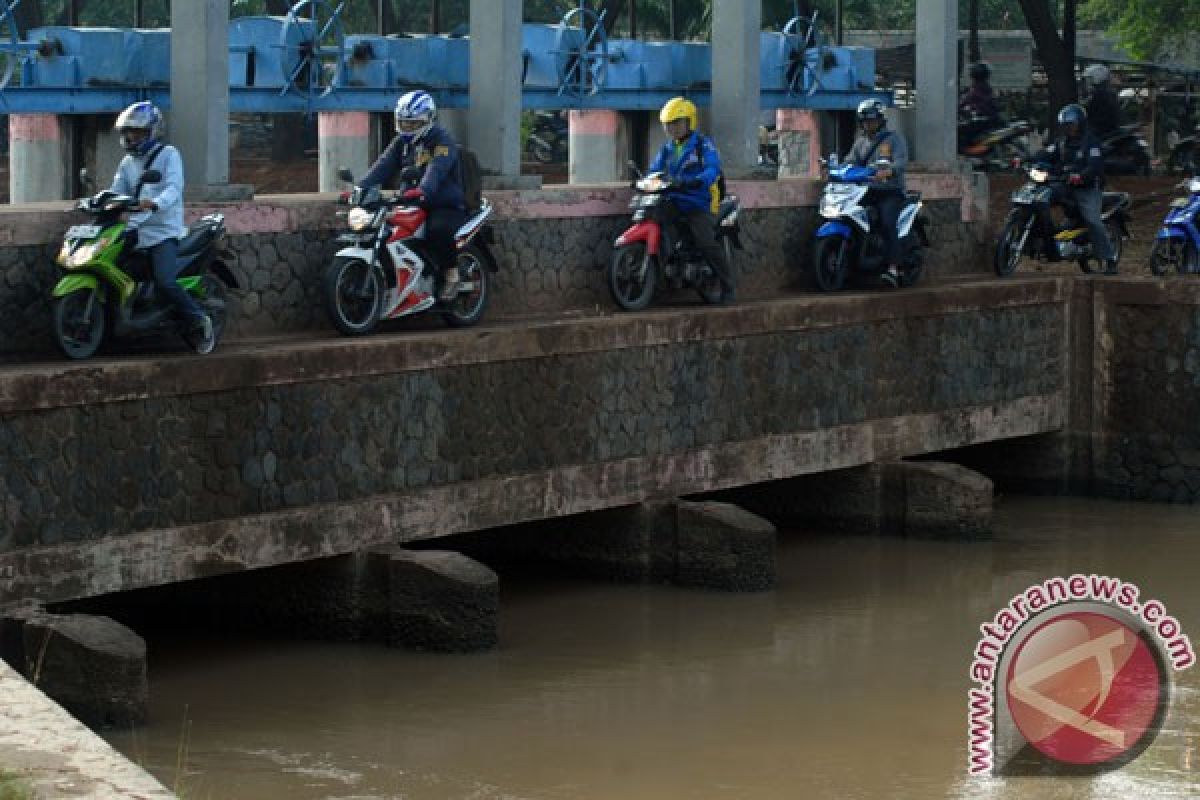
{"x":13,"y":786}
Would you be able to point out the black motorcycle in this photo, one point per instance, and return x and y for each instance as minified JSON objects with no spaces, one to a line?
{"x":1031,"y":230}
{"x":995,"y":148}
{"x":1185,"y":155}
{"x":547,"y":142}
{"x":1125,"y":151}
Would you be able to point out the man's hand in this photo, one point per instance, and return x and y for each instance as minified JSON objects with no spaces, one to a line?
{"x":414,"y":196}
{"x":1075,"y":179}
{"x":146,"y":204}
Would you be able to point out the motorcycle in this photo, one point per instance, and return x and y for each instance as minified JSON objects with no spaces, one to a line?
{"x":107,"y":290}
{"x":1185,"y":155}
{"x":1177,"y":244}
{"x":548,"y":139}
{"x":1125,"y":151}
{"x":994,"y":149}
{"x":1030,"y":228}
{"x":382,"y":270}
{"x":849,"y":246}
{"x":650,"y":252}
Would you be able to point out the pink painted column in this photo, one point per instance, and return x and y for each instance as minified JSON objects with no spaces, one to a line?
{"x":344,"y":140}
{"x":799,"y":143}
{"x":599,"y":146}
{"x":37,"y":158}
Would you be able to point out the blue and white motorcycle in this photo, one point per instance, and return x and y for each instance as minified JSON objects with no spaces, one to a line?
{"x":850,"y":245}
{"x":1177,"y":245}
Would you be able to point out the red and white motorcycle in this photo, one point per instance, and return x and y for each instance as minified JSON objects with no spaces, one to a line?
{"x":384,"y":270}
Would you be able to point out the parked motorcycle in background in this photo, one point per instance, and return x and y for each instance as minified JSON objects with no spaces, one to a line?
{"x":1185,"y":155}
{"x":383,"y":271}
{"x":549,"y":138}
{"x":1030,"y":228}
{"x":1177,"y":244}
{"x":651,"y":252}
{"x":1126,"y":151}
{"x":849,"y":245}
{"x":107,"y":288}
{"x":995,"y":149}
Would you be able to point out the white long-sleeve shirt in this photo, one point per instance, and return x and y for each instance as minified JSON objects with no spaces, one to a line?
{"x":166,"y":221}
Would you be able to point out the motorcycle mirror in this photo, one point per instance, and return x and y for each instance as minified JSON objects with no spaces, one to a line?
{"x":345,"y":175}
{"x":152,"y":176}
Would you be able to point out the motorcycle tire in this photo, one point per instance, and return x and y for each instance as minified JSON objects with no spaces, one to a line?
{"x":830,"y":269}
{"x":1163,"y":255}
{"x":1007,"y":257}
{"x":353,"y":313}
{"x":76,"y":338}
{"x":1090,"y":265}
{"x":475,"y":289}
{"x":628,"y":291}
{"x":710,"y":289}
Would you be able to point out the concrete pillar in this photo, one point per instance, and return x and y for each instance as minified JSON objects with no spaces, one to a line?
{"x":39,"y":148}
{"x":937,"y":83}
{"x":455,"y":120}
{"x":721,"y":546}
{"x":344,"y":140}
{"x":494,"y":115}
{"x":944,"y":500}
{"x":798,"y":133}
{"x":440,"y":600}
{"x":200,"y":97}
{"x":735,"y":84}
{"x":599,"y":146}
{"x":106,"y":156}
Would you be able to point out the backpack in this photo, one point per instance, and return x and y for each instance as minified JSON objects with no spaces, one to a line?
{"x":472,"y":178}
{"x":717,"y":190}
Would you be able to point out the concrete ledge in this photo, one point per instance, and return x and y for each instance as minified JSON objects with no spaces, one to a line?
{"x":155,"y":557}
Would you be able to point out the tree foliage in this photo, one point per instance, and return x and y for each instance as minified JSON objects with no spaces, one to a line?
{"x":1146,"y":29}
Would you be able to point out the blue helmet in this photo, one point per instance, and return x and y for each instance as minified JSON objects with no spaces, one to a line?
{"x":141,"y":116}
{"x":415,"y":113}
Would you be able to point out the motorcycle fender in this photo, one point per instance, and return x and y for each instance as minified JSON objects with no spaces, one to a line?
{"x":77,"y":282}
{"x":648,"y":232}
{"x":834,"y":228}
{"x":488,"y":256}
{"x":361,"y":253}
{"x":1170,"y":233}
{"x":222,"y":271}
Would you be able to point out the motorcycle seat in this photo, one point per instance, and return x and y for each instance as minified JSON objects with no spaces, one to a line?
{"x":198,"y":236}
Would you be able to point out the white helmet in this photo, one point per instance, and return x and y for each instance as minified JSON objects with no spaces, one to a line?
{"x":1096,"y":73}
{"x":415,"y":113}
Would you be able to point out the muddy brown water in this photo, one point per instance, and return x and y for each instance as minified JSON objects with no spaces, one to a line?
{"x":847,"y":681}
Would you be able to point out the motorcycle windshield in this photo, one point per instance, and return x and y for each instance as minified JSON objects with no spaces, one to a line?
{"x":851,"y":174}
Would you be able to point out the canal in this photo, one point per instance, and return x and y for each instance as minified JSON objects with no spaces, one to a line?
{"x":847,"y":681}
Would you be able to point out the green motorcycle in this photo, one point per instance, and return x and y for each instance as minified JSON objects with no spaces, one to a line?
{"x":107,"y":289}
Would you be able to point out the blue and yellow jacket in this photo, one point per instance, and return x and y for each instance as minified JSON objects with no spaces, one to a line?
{"x":695,"y":157}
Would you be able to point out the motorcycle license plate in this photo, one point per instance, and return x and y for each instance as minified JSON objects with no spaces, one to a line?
{"x":83,"y":232}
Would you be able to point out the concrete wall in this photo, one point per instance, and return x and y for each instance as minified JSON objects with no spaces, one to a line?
{"x":552,"y":245}
{"x":145,"y":472}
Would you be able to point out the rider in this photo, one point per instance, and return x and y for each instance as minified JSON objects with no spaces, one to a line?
{"x":158,"y":224}
{"x":693,"y":165}
{"x":1077,"y":152}
{"x":888,"y":152}
{"x":978,"y":102}
{"x":1103,"y":108}
{"x":421,"y":143}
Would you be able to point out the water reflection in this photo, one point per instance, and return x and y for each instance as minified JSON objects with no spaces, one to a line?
{"x":848,"y":681}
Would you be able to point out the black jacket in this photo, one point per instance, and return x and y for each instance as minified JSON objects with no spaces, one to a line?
{"x":1081,"y":156}
{"x":1103,"y":110}
{"x":437,"y":154}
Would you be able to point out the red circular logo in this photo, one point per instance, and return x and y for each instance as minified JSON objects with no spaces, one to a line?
{"x":1084,"y":688}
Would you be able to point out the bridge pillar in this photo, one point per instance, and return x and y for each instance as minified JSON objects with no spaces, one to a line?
{"x":735,"y":84}
{"x":937,"y":83}
{"x":599,"y":146}
{"x":799,"y":138}
{"x":200,"y":97}
{"x":344,"y":140}
{"x":40,"y":148}
{"x":494,"y":115}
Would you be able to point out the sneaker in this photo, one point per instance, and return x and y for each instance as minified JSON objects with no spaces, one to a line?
{"x":205,"y":341}
{"x":890,"y":277}
{"x":449,"y":286}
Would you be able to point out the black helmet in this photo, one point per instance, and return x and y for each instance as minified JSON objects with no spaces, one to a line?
{"x":1072,"y":114}
{"x":979,"y":71}
{"x":870,"y":109}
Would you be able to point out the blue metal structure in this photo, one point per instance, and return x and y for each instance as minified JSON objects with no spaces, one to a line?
{"x":304,"y":63}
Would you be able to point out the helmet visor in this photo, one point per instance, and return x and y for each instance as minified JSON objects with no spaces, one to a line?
{"x":410,"y":125}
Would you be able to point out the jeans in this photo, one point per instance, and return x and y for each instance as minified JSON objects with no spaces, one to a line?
{"x":889,"y":203}
{"x":1088,"y":201}
{"x":165,"y":258}
{"x":440,"y":227}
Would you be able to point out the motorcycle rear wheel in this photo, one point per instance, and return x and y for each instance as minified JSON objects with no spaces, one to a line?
{"x":829,"y":264}
{"x":214,"y":302}
{"x":710,"y":289}
{"x":629,"y":291}
{"x":76,"y":337}
{"x":468,"y":306}
{"x":354,"y":306}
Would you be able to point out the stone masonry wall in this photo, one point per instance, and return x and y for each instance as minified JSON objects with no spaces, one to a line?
{"x":552,"y":247}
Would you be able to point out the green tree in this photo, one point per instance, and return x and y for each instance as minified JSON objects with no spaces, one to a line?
{"x":1146,"y":29}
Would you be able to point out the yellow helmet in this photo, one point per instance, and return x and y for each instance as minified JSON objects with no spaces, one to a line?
{"x":679,"y":108}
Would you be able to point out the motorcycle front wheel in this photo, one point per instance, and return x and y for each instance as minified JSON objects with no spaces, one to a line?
{"x":631,"y":286}
{"x":79,"y":323}
{"x":353,"y":295}
{"x":829,"y":265}
{"x":468,"y":305}
{"x":1008,"y":254}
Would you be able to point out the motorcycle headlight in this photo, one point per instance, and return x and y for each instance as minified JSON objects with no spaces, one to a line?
{"x":84,"y":255}
{"x":359,"y":218}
